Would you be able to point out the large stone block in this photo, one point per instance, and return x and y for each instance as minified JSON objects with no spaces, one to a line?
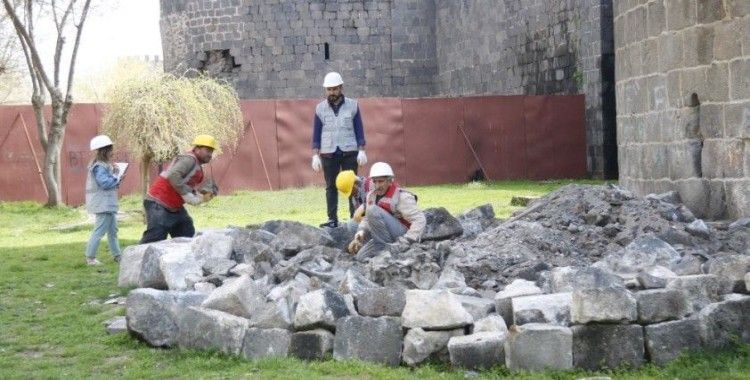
{"x":176,"y":266}
{"x":731,"y":268}
{"x":699,"y":46}
{"x":208,"y":329}
{"x":130,"y":265}
{"x":659,"y":305}
{"x":420,"y":345}
{"x":213,"y":244}
{"x":152,"y":315}
{"x":680,"y":13}
{"x":722,"y":323}
{"x":435,"y":310}
{"x":665,"y":341}
{"x":479,"y":350}
{"x":321,"y":308}
{"x":240,"y":297}
{"x":739,"y":76}
{"x":517,"y":288}
{"x":547,"y":308}
{"x":614,"y":304}
{"x":655,"y":277}
{"x":378,"y":302}
{"x":699,"y":290}
{"x":476,"y":306}
{"x":376,"y":340}
{"x":151,"y":275}
{"x":312,"y":344}
{"x":441,"y":225}
{"x":261,"y":343}
{"x":600,"y":346}
{"x":536,"y":346}
{"x":490,"y":323}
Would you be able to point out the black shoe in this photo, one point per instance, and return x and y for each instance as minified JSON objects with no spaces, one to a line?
{"x":330,"y":224}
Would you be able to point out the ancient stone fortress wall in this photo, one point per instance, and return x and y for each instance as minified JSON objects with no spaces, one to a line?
{"x":404,"y":48}
{"x":683,"y":109}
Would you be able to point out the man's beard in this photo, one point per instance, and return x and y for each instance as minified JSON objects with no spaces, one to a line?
{"x":333,"y":99}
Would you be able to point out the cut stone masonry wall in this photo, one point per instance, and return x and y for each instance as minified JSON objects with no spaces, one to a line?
{"x":403,"y":48}
{"x":683,"y":101}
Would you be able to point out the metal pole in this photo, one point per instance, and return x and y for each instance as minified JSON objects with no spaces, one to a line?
{"x":476,"y":157}
{"x":263,"y":161}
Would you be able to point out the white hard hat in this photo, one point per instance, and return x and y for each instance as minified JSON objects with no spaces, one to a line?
{"x":100,"y":142}
{"x":332,"y":79}
{"x":381,"y":169}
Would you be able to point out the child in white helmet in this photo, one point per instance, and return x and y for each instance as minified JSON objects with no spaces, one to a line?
{"x":102,"y":182}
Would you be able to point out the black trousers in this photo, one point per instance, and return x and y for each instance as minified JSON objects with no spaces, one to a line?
{"x":162,"y":222}
{"x":332,"y":165}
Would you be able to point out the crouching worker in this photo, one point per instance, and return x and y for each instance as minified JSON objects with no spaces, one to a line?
{"x":392,"y":216}
{"x":355,"y":188}
{"x":182,"y":182}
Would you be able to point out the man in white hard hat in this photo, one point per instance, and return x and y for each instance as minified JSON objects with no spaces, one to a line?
{"x":391,"y":216}
{"x":338,"y":140}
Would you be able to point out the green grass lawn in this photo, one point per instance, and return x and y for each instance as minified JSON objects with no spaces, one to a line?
{"x":51,"y":304}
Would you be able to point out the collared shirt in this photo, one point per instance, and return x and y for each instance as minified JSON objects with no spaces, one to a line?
{"x":104,"y":178}
{"x":359,"y":133}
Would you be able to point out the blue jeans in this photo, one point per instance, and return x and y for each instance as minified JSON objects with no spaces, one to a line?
{"x":384,"y":229}
{"x":106,"y":223}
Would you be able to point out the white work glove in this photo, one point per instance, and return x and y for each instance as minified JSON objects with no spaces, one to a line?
{"x":192,"y":198}
{"x":361,"y":158}
{"x":316,"y":164}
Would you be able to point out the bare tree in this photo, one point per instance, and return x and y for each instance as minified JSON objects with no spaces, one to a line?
{"x":9,"y":57}
{"x":70,"y":14}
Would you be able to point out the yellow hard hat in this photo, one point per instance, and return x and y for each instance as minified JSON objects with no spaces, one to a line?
{"x":345,"y":182}
{"x":205,"y":140}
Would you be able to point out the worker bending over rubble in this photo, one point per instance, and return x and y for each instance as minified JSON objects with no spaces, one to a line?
{"x":355,"y":189}
{"x":392,"y":216}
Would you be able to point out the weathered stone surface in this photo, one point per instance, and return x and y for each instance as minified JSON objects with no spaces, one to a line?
{"x":517,"y":288}
{"x":655,"y":277}
{"x":598,"y":346}
{"x":213,"y":244}
{"x":698,"y":228}
{"x":420,"y":345}
{"x":700,"y":290}
{"x":342,"y":235}
{"x":376,"y":340}
{"x":665,"y":341}
{"x":356,"y":284}
{"x":116,"y":325}
{"x":603,"y":305}
{"x":478,"y":350}
{"x":130,"y":265}
{"x":272,"y":314}
{"x":240,"y":297}
{"x":261,"y":343}
{"x":450,"y":278}
{"x":476,"y":306}
{"x":204,"y":287}
{"x":176,"y":266}
{"x":321,"y":308}
{"x":689,"y":264}
{"x":218,"y":266}
{"x":730,"y":267}
{"x":151,"y":275}
{"x":723,"y":322}
{"x":292,"y":237}
{"x":568,"y":279}
{"x":312,"y":344}
{"x":477,"y":220}
{"x":747,"y":282}
{"x":659,"y":305}
{"x":490,"y":323}
{"x":152,"y":315}
{"x":537,"y":346}
{"x":643,"y":252}
{"x":441,"y":225}
{"x":545,"y":308}
{"x":208,"y":329}
{"x":434,"y":309}
{"x":378,"y":302}
{"x":248,"y":244}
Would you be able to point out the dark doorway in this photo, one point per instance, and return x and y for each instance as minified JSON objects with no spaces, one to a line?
{"x":609,"y":106}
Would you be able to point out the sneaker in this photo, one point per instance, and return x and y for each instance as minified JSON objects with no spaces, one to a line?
{"x":330,"y":224}
{"x":117,"y":258}
{"x":93,"y":261}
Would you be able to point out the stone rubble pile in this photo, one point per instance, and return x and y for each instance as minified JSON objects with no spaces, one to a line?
{"x":586,"y":277}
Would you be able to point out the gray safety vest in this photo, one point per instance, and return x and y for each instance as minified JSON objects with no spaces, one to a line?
{"x":338,"y":130}
{"x":97,"y":199}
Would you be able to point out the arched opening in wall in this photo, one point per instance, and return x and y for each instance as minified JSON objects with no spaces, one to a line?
{"x":610,"y":168}
{"x":326,"y":51}
{"x":695,"y":130}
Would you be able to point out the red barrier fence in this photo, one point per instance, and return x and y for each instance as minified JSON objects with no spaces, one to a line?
{"x":427,"y":141}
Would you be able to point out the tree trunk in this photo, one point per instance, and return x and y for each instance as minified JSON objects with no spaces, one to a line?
{"x":52,"y":168}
